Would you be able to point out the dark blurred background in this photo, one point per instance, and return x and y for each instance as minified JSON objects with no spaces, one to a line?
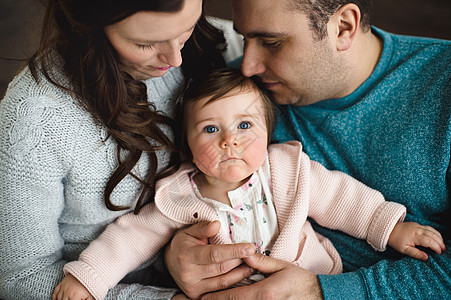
{"x":20,"y":24}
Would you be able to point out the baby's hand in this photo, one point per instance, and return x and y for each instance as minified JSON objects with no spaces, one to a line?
{"x":406,"y":236}
{"x":71,"y":288}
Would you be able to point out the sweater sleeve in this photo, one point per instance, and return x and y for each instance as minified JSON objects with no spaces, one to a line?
{"x":121,"y":248}
{"x":394,"y":278}
{"x":32,"y":198}
{"x":340,"y":202}
{"x":36,"y":153}
{"x":388,"y":276}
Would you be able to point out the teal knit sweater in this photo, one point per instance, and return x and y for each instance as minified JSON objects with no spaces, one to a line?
{"x":393,"y":133}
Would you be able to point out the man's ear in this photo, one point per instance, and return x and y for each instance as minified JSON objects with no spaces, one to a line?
{"x":346,"y":23}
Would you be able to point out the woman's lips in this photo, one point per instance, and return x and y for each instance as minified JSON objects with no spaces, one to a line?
{"x":163,"y":69}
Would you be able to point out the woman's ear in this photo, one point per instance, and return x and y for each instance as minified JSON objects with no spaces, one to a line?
{"x":346,"y":23}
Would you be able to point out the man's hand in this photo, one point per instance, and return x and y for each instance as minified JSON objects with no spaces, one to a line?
{"x":285,"y":281}
{"x":198,"y":267}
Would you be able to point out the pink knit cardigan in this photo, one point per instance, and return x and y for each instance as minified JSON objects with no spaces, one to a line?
{"x":301,"y":188}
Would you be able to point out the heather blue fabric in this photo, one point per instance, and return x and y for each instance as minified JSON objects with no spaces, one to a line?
{"x":393,"y":133}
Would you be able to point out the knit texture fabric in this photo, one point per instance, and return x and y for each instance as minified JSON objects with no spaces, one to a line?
{"x":301,"y":189}
{"x":393,"y":133}
{"x":54,"y":163}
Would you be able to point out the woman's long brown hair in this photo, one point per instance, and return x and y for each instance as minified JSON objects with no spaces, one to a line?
{"x":73,"y":39}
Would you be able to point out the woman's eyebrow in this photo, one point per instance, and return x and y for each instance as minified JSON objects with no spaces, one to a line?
{"x":155,"y":42}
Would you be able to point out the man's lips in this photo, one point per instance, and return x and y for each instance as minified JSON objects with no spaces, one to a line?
{"x":270,"y":84}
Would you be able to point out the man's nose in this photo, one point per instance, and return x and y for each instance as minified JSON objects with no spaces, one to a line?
{"x":253,"y":61}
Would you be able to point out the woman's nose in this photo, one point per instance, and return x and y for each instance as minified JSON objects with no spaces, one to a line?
{"x":171,"y":54}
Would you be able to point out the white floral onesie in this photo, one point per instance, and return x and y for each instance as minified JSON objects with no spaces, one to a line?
{"x":252,"y":216}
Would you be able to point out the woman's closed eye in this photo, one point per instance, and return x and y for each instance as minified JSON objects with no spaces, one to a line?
{"x":145,"y":47}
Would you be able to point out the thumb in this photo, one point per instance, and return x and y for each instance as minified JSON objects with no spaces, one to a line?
{"x":264,"y":264}
{"x":203,"y":230}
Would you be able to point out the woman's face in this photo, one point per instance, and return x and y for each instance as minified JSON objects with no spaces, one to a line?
{"x":149,"y":43}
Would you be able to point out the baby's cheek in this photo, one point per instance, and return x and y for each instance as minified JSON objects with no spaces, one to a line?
{"x":257,"y":152}
{"x":206,"y":158}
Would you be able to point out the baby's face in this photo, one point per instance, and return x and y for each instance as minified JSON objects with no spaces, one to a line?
{"x":228,"y":137}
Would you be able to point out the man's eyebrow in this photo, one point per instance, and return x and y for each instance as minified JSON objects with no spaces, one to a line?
{"x":262,"y":34}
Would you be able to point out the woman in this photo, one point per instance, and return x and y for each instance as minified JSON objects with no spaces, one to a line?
{"x":86,"y":131}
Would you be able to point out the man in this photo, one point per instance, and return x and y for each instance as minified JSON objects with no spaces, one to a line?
{"x":374,"y":105}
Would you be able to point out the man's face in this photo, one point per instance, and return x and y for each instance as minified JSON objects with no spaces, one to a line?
{"x":281,"y":49}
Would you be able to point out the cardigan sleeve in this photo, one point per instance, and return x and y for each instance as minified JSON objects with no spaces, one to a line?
{"x":332,"y":198}
{"x":340,"y":202}
{"x":121,"y":248}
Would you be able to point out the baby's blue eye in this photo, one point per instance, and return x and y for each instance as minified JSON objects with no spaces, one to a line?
{"x":244,"y":125}
{"x":210,"y":129}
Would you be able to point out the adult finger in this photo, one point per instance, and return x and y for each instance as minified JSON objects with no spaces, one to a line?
{"x":244,"y":292}
{"x":215,"y":269}
{"x":264,"y":289}
{"x":216,"y":254}
{"x":203,"y":230}
{"x":226,"y":280}
{"x":197,"y":267}
{"x":265,"y":264}
{"x":197,"y":235}
{"x":201,"y":279}
{"x":285,"y":281}
{"x":179,"y":297}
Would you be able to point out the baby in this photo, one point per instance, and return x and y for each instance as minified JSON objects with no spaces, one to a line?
{"x":260,"y":194}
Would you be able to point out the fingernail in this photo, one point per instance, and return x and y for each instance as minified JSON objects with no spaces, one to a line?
{"x":249,"y":251}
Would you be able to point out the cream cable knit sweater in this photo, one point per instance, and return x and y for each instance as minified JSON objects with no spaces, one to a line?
{"x":301,"y":188}
{"x":54,"y":164}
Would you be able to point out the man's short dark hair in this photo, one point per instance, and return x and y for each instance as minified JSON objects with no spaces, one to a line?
{"x":320,"y":11}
